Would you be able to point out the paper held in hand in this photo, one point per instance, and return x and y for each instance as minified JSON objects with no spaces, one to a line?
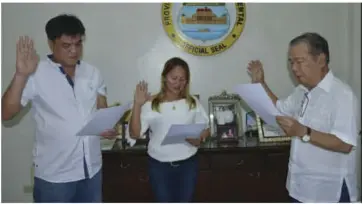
{"x":104,"y":119}
{"x":258,"y":100}
{"x":178,"y":133}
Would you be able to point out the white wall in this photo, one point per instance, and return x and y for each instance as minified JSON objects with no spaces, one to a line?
{"x":127,"y":43}
{"x":355,"y":64}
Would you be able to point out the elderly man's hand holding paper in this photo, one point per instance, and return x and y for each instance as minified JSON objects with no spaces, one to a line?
{"x":291,"y":126}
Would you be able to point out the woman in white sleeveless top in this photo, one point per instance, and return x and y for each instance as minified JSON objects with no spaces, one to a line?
{"x":172,"y":168}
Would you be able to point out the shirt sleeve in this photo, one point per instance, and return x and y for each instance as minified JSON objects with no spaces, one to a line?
{"x":28,"y":92}
{"x":345,"y":120}
{"x":290,"y":105}
{"x":101,"y":86}
{"x":201,"y":115}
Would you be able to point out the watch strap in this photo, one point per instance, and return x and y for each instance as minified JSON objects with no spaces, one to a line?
{"x":309,"y":131}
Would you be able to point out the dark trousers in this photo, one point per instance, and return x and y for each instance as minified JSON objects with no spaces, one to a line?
{"x":173,"y":181}
{"x":343,"y":199}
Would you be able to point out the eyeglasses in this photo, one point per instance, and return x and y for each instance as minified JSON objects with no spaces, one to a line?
{"x":304,"y":105}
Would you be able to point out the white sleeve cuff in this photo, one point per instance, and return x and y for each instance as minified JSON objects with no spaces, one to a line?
{"x":102,"y":91}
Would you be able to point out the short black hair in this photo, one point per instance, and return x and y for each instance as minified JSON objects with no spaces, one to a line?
{"x":317,"y":44}
{"x":64,"y":24}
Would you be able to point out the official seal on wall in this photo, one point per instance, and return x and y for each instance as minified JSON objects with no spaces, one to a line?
{"x":203,"y":29}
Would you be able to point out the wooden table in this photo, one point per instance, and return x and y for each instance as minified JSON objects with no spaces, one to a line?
{"x":245,"y":172}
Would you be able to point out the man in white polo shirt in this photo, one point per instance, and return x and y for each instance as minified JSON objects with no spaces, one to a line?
{"x":64,"y":92}
{"x":321,"y":114}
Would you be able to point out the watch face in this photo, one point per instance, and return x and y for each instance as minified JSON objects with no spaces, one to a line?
{"x":306,"y":138}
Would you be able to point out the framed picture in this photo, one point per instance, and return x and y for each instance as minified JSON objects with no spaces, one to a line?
{"x":250,"y":121}
{"x":225,"y":117}
{"x":268,"y":133}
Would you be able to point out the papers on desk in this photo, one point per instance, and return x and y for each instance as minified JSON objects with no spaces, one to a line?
{"x":104,"y":119}
{"x":177,"y":134}
{"x":257,"y":99}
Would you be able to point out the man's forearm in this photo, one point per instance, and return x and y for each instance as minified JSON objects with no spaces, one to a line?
{"x":270,"y":93}
{"x":329,"y":141}
{"x":11,"y":100}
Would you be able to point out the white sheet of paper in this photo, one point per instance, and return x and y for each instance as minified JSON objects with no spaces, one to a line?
{"x":104,"y":119}
{"x":178,"y":133}
{"x":258,"y":100}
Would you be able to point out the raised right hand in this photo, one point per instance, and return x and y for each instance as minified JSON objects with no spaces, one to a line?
{"x":256,"y":71}
{"x":141,"y":94}
{"x":26,"y":57}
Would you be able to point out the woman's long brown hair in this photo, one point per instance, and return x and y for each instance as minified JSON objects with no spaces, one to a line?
{"x":169,"y":65}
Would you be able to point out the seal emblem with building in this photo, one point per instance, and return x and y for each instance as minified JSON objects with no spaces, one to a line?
{"x":203,"y":29}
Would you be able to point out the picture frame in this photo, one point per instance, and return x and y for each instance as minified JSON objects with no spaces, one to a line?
{"x":267,"y":133}
{"x":225,"y":117}
{"x":250,"y":121}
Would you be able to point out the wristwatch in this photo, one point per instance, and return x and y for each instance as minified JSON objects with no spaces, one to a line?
{"x":306,"y":138}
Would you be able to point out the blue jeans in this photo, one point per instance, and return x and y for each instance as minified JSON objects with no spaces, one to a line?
{"x":88,"y":190}
{"x":173,"y":181}
{"x":343,"y":199}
